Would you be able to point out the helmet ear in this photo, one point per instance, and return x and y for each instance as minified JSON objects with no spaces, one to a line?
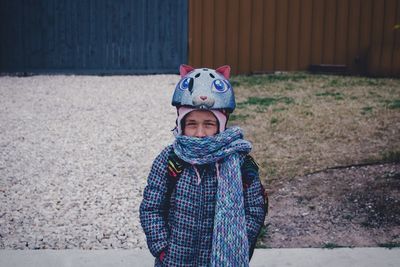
{"x":225,"y":71}
{"x":185,"y":69}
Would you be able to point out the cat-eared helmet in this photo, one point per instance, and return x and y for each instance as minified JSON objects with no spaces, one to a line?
{"x":204,"y":89}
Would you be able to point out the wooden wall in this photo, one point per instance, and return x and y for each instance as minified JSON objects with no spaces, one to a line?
{"x":93,"y":36}
{"x":257,"y":36}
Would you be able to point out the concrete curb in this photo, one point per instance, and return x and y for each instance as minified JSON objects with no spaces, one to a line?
{"x":314,"y":257}
{"x":344,"y":257}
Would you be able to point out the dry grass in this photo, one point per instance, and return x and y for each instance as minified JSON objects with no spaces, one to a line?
{"x":300,"y":123}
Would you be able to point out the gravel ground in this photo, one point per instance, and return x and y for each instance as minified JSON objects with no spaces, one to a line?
{"x":75,"y":152}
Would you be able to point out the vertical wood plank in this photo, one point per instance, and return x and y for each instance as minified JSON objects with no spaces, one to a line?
{"x":256,"y":36}
{"x":19,"y":35}
{"x":191,"y":32}
{"x":134,"y":53}
{"x":125,"y":28}
{"x":317,"y":31}
{"x":101,"y":38}
{"x":127,"y":33}
{"x":28,"y":33}
{"x":208,"y":34}
{"x":61,"y":37}
{"x":82,"y":34}
{"x":108,"y":38}
{"x":52,"y":33}
{"x":293,"y":35}
{"x":10,"y":28}
{"x":388,"y":37}
{"x":182,"y":34}
{"x":5,"y":30}
{"x":341,"y":32}
{"x":43,"y":36}
{"x":232,"y":34}
{"x":53,"y":36}
{"x":22,"y":36}
{"x":376,"y":37}
{"x":196,"y":7}
{"x":353,"y":35}
{"x":396,"y":50}
{"x":2,"y":33}
{"x":365,"y":35}
{"x":328,"y":53}
{"x":70,"y":36}
{"x":27,"y":13}
{"x":112,"y":28}
{"x":244,"y":36}
{"x":220,"y":32}
{"x":306,"y":10}
{"x":281,"y":35}
{"x":269,"y":35}
{"x":69,"y":57}
{"x":73,"y":21}
{"x":161,"y":37}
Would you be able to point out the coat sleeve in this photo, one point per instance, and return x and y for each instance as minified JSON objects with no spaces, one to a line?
{"x":255,"y":201}
{"x":154,"y":207}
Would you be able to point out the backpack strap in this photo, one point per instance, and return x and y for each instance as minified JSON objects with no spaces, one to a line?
{"x":249,"y":171}
{"x":175,"y":167}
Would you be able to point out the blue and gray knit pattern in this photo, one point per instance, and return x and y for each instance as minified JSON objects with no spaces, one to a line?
{"x":230,"y":244}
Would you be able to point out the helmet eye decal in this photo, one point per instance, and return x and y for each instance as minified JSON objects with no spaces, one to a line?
{"x":186,"y":83}
{"x":220,"y":86}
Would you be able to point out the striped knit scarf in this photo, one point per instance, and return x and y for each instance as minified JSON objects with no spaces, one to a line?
{"x":230,"y":245}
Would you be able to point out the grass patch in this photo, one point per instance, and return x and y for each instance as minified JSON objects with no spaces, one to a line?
{"x":265,"y":101}
{"x":395,"y":104}
{"x":390,"y":245}
{"x":238,"y":117}
{"x":374,"y":94}
{"x":335,"y":95}
{"x":261,"y":236}
{"x":289,"y":86}
{"x":259,"y":80}
{"x":391,"y":156}
{"x":331,"y":246}
{"x":279,"y":109}
{"x":366,"y":110}
{"x":344,"y":82}
{"x":274,"y":120}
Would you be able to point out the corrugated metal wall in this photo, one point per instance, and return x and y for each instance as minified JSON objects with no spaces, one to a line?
{"x":285,"y":35}
{"x":95,"y":36}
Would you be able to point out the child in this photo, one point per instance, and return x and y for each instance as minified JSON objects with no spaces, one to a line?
{"x":204,"y":204}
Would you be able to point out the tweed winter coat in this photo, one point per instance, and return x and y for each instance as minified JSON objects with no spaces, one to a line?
{"x":178,"y":220}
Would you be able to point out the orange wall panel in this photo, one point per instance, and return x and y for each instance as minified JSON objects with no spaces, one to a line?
{"x":256,"y":36}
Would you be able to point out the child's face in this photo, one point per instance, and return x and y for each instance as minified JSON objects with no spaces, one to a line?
{"x":200,"y":123}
